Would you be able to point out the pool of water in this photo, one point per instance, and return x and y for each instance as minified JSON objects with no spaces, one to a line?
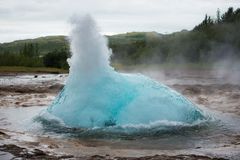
{"x":214,"y":133}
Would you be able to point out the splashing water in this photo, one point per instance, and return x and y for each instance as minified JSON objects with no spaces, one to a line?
{"x":97,"y":96}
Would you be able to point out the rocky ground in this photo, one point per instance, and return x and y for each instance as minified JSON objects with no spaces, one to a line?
{"x":203,"y":88}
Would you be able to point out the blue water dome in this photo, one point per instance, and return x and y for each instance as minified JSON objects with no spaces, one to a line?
{"x":95,"y":95}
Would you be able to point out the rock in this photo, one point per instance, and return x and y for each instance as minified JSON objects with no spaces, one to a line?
{"x":192,"y":90}
{"x":235,"y":96}
{"x":20,"y":152}
{"x":4,"y":135}
{"x":55,"y":87}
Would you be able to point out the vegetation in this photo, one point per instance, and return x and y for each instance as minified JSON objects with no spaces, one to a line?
{"x":57,"y":58}
{"x":212,"y":40}
{"x":19,"y":69}
{"x":28,"y":56}
{"x":45,"y":44}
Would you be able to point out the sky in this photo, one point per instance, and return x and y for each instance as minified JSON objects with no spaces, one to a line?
{"x":22,"y":19}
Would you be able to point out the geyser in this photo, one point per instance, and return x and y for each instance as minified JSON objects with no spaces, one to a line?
{"x":97,"y":96}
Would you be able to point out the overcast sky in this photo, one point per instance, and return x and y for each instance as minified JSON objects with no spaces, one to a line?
{"x":21,"y":19}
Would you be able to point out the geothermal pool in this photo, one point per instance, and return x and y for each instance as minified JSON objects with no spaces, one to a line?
{"x":100,"y":111}
{"x":218,"y":138}
{"x":203,"y":137}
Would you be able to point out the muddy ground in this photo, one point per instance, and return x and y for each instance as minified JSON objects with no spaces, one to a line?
{"x":205,"y":88}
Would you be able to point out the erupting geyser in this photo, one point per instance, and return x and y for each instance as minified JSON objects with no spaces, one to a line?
{"x":97,"y":96}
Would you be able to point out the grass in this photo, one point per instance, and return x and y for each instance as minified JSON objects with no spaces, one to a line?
{"x":117,"y":66}
{"x":19,"y":69}
{"x":197,"y":66}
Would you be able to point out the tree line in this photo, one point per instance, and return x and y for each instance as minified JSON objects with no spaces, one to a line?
{"x":230,"y":16}
{"x":29,"y":56}
{"x":210,"y":41}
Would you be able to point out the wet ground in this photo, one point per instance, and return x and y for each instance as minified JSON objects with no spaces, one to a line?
{"x":24,"y":96}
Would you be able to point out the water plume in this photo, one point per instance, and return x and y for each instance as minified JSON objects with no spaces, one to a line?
{"x":95,"y":95}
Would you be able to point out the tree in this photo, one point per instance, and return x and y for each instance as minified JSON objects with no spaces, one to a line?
{"x":36,"y":49}
{"x":30,"y":50}
{"x":228,"y":16}
{"x":218,"y":16}
{"x":57,"y":58}
{"x":206,"y":23}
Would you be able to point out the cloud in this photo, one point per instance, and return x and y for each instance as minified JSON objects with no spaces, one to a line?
{"x":31,"y":18}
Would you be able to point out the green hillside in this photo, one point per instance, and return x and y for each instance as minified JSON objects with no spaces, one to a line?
{"x":50,"y":43}
{"x":212,"y":40}
{"x":46,"y":44}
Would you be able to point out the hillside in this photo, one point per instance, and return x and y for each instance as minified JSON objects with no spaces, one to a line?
{"x":51,"y":43}
{"x":46,"y":44}
{"x":212,"y":40}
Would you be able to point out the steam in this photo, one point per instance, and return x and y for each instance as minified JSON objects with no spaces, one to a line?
{"x":228,"y":70}
{"x":85,"y":38}
{"x":226,"y":66}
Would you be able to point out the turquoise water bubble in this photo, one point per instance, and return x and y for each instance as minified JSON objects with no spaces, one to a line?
{"x":95,"y":95}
